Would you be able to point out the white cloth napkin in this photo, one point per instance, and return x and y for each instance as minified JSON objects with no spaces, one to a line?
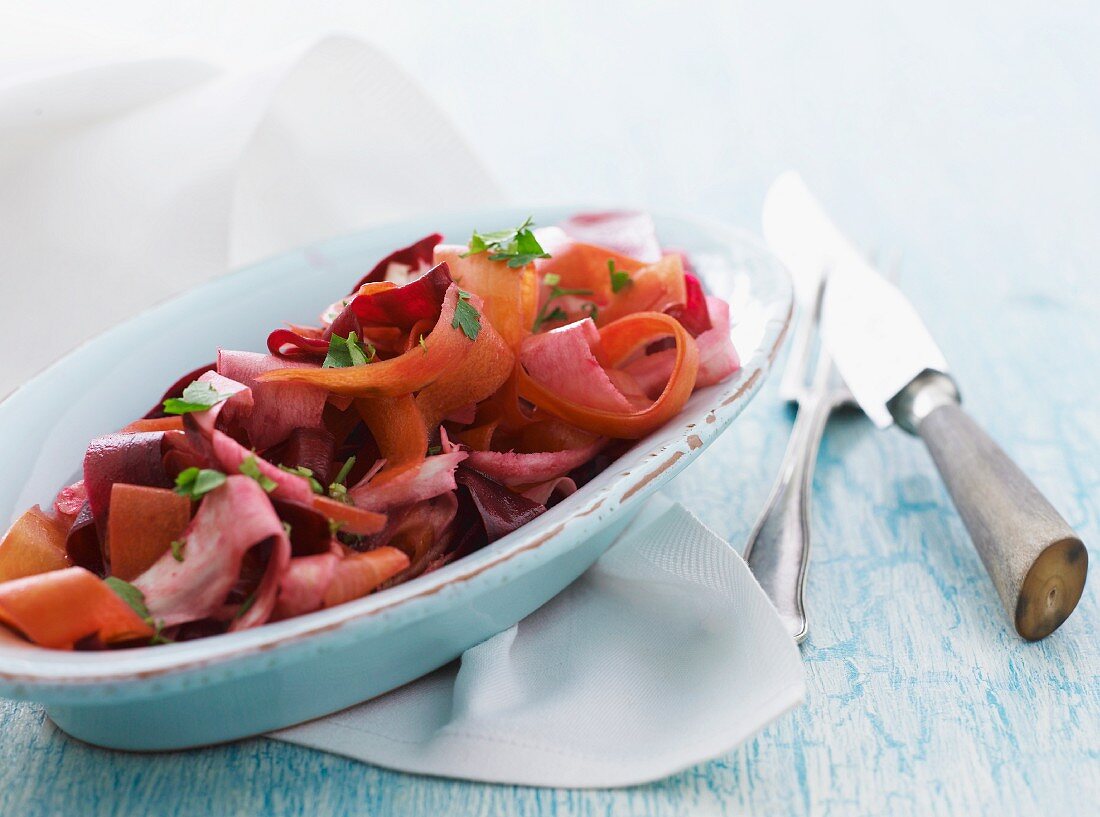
{"x":664,"y":654}
{"x":130,"y":178}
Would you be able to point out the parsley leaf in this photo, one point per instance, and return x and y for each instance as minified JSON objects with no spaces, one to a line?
{"x":337,"y":490}
{"x":466,"y":318}
{"x":344,"y":352}
{"x":307,"y":474}
{"x":129,"y":594}
{"x":197,"y":396}
{"x":518,"y":247}
{"x":158,"y":637}
{"x":557,"y":313}
{"x":246,"y":605}
{"x":345,"y":469}
{"x":194,"y":482}
{"x":250,"y":468}
{"x":619,"y":278}
{"x":177,"y":549}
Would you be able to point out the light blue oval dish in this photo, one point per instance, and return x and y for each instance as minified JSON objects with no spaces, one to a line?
{"x":235,"y":685}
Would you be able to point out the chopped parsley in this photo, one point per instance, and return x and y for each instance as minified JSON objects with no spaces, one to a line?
{"x":337,"y":490}
{"x":198,"y":396}
{"x":349,"y":351}
{"x":306,"y":474}
{"x":131,"y":595}
{"x":195,"y":482}
{"x":334,"y":527}
{"x":158,"y":637}
{"x":466,"y":318}
{"x":434,"y":449}
{"x":251,"y":468}
{"x":287,"y":528}
{"x":246,"y":605}
{"x":548,"y":315}
{"x":620,"y":279}
{"x":423,"y":345}
{"x":136,"y":600}
{"x":177,"y":549}
{"x":518,"y":247}
{"x":345,"y":469}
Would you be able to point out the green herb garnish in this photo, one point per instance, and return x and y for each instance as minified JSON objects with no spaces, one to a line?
{"x":198,"y":396}
{"x":136,"y":599}
{"x":334,"y":527}
{"x":345,"y":469}
{"x":177,"y":549}
{"x":251,"y":468}
{"x":158,"y":637}
{"x":344,"y":352}
{"x":423,"y":345}
{"x":287,"y":529}
{"x":466,"y":318}
{"x":620,"y":279}
{"x":518,"y":247}
{"x":129,"y":594}
{"x":557,"y":313}
{"x":307,"y":474}
{"x":246,"y":605}
{"x":194,"y":482}
{"x":434,"y":449}
{"x":336,"y":489}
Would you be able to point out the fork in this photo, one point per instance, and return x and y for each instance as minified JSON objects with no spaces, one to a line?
{"x":778,"y":548}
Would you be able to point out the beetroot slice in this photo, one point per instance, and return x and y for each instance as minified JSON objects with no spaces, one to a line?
{"x":412,"y":256}
{"x":82,"y":544}
{"x":403,"y":306}
{"x":625,"y":231}
{"x":693,"y":315}
{"x":302,"y":346}
{"x":309,"y":531}
{"x":312,"y":448}
{"x":500,"y":510}
{"x":135,"y":459}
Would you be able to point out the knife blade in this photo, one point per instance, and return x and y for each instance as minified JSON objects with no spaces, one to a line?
{"x":898,"y":374}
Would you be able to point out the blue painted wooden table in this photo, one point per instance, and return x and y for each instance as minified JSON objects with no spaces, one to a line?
{"x":967,"y":142}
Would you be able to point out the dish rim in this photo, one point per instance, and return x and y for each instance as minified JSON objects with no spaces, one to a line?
{"x":23,"y":665}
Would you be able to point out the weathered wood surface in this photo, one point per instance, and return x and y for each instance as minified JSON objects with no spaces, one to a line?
{"x":966,"y":139}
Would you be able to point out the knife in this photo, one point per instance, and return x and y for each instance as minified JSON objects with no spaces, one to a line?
{"x":898,"y":375}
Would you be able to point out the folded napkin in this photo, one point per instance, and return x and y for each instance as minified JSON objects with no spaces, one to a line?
{"x":131,"y":176}
{"x":664,"y":654}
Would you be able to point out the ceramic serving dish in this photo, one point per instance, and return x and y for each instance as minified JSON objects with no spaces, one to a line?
{"x":234,"y":685}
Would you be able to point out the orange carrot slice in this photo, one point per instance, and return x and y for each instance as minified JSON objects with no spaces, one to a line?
{"x":510,"y":295}
{"x":35,"y":544}
{"x":360,"y":573}
{"x":142,"y":524}
{"x":358,"y":521}
{"x":157,"y":424}
{"x":59,"y":608}
{"x":444,"y":347}
{"x":620,"y":340}
{"x":397,"y":427}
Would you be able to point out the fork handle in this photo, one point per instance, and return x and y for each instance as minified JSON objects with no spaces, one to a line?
{"x":778,"y":548}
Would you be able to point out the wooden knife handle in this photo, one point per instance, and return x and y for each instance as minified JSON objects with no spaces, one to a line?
{"x":1036,"y":561}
